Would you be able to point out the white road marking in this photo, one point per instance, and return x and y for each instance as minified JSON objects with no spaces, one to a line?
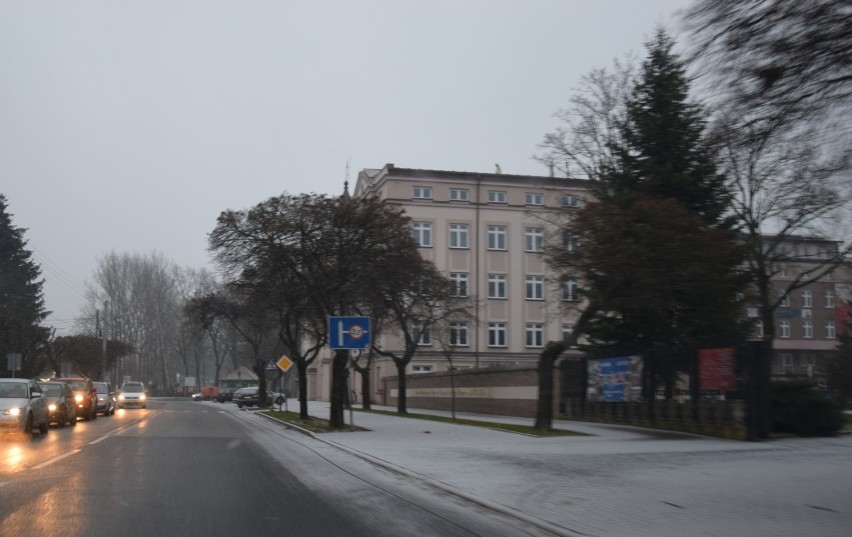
{"x":54,"y":459}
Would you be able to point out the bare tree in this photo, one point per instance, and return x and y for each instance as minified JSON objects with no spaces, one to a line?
{"x":315,"y":257}
{"x":138,"y":293}
{"x":779,"y":61}
{"x":583,"y":145}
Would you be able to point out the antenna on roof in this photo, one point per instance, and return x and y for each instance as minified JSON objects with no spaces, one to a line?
{"x":346,"y":179}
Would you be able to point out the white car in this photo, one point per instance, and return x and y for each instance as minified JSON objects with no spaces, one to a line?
{"x":23,"y":406}
{"x":133,"y":393}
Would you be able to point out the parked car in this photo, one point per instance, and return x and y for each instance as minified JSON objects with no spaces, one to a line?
{"x":225,"y":394}
{"x":84,"y":395}
{"x":250,"y":396}
{"x":106,"y":398}
{"x":61,"y":406}
{"x":133,"y":394}
{"x":23,"y":406}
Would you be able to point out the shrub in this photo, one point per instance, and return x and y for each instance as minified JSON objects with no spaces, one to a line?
{"x":803,"y":409}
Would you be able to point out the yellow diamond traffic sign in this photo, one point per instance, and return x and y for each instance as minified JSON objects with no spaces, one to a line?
{"x":284,"y":363}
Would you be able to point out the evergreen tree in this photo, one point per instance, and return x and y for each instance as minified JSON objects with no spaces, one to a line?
{"x":21,"y":300}
{"x":663,"y":152}
{"x":657,"y":257}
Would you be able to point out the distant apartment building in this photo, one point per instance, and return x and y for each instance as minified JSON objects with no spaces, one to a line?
{"x":808,"y":319}
{"x":486,"y":232}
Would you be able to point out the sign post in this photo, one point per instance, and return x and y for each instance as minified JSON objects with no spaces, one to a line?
{"x":284,"y":364}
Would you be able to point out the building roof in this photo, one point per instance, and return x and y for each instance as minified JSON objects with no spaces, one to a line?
{"x":240,"y":373}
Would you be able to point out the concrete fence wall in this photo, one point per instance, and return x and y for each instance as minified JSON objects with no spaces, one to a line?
{"x":510,"y":391}
{"x":513,"y":391}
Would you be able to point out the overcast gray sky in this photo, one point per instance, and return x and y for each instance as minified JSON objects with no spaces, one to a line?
{"x":130,"y":125}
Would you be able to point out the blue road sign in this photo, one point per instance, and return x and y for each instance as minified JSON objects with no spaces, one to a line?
{"x":349,"y":332}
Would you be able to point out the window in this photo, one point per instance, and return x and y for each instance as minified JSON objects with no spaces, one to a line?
{"x":785,"y":300}
{"x":567,"y":330}
{"x":459,"y":235}
{"x":783,"y":273}
{"x":829,"y":299}
{"x":569,"y":242}
{"x":459,"y":194}
{"x":534,"y":239}
{"x":535,"y":287}
{"x":496,"y":334}
{"x":787,"y":362}
{"x":830,"y":331}
{"x":421,"y":369}
{"x":570,"y":290}
{"x":758,"y":329}
{"x":422,"y":333}
{"x":422,"y":233}
{"x":751,"y":313}
{"x":496,"y":237}
{"x":807,"y":299}
{"x":569,"y":201}
{"x":496,"y":286}
{"x":784,"y":329}
{"x":422,"y":192}
{"x":496,"y":196}
{"x":459,"y":280}
{"x":533,"y":198}
{"x":535,"y":335}
{"x":458,"y":334}
{"x":807,"y":329}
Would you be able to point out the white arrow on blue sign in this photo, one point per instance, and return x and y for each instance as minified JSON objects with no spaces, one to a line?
{"x":349,"y":332}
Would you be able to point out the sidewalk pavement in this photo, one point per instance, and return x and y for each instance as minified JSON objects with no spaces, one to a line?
{"x":618,"y":480}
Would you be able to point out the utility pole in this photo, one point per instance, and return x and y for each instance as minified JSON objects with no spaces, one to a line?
{"x":104,"y":334}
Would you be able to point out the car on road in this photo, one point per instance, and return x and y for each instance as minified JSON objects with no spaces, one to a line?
{"x":133,"y":393}
{"x":106,"y":398}
{"x":85,"y":396}
{"x":225,"y":394}
{"x":61,"y":406}
{"x":23,"y":406}
{"x":250,"y":396}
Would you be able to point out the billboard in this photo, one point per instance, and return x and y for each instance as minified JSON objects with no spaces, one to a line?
{"x":615,"y":379}
{"x":842,"y":306}
{"x":717,"y":369}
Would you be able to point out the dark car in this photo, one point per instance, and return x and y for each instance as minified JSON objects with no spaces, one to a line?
{"x":250,"y":396}
{"x":61,"y":407}
{"x":85,"y":396}
{"x":225,"y":394}
{"x":106,"y":398}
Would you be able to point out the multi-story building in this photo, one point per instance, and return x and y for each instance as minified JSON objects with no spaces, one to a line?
{"x":486,"y":232}
{"x":808,"y":319}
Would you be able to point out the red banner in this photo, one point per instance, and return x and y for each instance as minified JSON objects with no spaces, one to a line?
{"x":717,"y":369}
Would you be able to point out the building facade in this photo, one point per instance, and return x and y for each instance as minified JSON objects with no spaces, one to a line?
{"x":487,"y":231}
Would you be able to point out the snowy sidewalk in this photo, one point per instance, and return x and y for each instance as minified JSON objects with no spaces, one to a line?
{"x":619,"y":480}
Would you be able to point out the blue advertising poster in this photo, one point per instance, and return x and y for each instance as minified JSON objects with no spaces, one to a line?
{"x":615,"y":379}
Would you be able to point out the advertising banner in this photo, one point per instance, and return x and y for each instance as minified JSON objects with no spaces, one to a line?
{"x":842,"y":306}
{"x":717,"y":369}
{"x":615,"y":379}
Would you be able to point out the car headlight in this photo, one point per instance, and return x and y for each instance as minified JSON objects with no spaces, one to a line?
{"x":12,"y":412}
{"x":142,"y":397}
{"x":78,"y":398}
{"x":52,"y":407}
{"x":121,"y":397}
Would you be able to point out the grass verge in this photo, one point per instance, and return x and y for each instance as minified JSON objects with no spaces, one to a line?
{"x":508,"y":427}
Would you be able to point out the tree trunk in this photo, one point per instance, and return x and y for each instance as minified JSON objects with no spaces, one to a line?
{"x":338,"y":388}
{"x":302,"y":368}
{"x":544,"y":412}
{"x":401,"y":405}
{"x":365,"y":388}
